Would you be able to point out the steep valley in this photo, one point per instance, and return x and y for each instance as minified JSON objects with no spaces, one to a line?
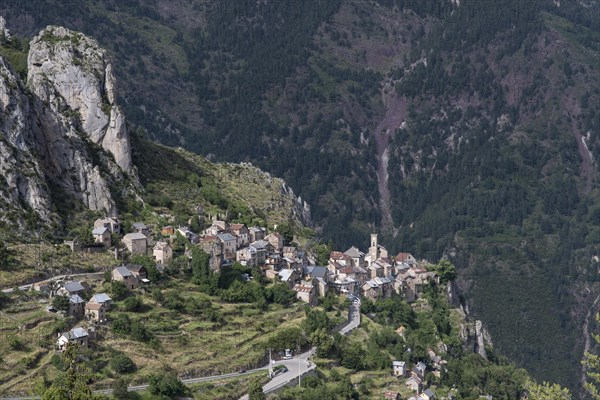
{"x":461,"y":129}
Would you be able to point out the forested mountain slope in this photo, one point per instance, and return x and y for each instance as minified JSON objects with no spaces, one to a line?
{"x":466,"y":128}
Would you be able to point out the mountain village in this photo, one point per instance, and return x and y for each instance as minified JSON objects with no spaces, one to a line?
{"x":352,"y":274}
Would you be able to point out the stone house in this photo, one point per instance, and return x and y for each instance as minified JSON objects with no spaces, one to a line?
{"x":306,"y":293}
{"x":340,"y":259}
{"x":414,"y":383}
{"x":95,"y":312}
{"x":263,"y":248}
{"x":346,"y":285}
{"x":256,"y":233}
{"x":76,"y":304}
{"x":357,"y":257}
{"x":274,"y":261}
{"x":138,"y":271}
{"x":291,"y":263}
{"x":290,"y":252}
{"x":163,"y":253}
{"x":311,"y":272}
{"x":242,"y":233}
{"x":122,"y":274}
{"x":70,"y":288}
{"x":247,"y":256}
{"x":386,"y":283}
{"x":375,"y":270}
{"x":371,"y":290}
{"x":419,"y":369}
{"x":140,"y":227}
{"x":228,"y":244}
{"x":101,"y":298}
{"x":136,"y":243}
{"x":77,"y":336}
{"x":271,"y":274}
{"x":110,"y":223}
{"x":211,"y":245}
{"x":398,"y":368}
{"x":276,"y":240}
{"x":322,"y":286}
{"x":167,"y":230}
{"x":102,"y":236}
{"x":43,"y":286}
{"x":360,"y":274}
{"x":289,"y":277}
{"x":189,"y":235}
{"x":405,"y":258}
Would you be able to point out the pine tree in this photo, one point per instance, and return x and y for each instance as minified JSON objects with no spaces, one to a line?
{"x":255,"y":390}
{"x":592,"y":365}
{"x":547,"y":391}
{"x":72,"y":384}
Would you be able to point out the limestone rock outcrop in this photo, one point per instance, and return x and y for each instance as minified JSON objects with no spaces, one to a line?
{"x":63,"y":137}
{"x":68,"y":69}
{"x":21,"y":176}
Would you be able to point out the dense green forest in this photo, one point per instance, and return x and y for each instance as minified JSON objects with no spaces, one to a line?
{"x":495,"y":164}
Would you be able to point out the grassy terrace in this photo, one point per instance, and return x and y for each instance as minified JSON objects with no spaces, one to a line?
{"x":191,"y":345}
{"x":33,"y":262}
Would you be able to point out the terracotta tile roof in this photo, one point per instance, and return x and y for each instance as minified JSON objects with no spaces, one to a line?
{"x":401,"y":257}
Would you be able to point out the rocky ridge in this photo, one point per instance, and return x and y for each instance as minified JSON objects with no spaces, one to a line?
{"x":63,"y":135}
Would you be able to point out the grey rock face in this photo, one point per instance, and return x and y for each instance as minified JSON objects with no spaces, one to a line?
{"x":21,"y":176}
{"x":68,"y":69}
{"x":64,"y":134}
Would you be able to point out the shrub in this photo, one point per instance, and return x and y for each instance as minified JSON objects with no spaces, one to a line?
{"x":118,"y":290}
{"x":60,"y":303}
{"x":57,"y":362}
{"x":121,"y":324}
{"x":121,"y":363}
{"x":166,"y":385}
{"x":120,"y":389}
{"x":133,"y":304}
{"x":15,"y":343}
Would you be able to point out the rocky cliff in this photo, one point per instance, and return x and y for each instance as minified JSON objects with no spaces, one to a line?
{"x":68,"y":70}
{"x":64,"y":142}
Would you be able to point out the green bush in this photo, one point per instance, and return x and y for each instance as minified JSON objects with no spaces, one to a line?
{"x":133,"y":304}
{"x":60,"y":303}
{"x":166,"y":385}
{"x":121,"y":363}
{"x":118,"y":290}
